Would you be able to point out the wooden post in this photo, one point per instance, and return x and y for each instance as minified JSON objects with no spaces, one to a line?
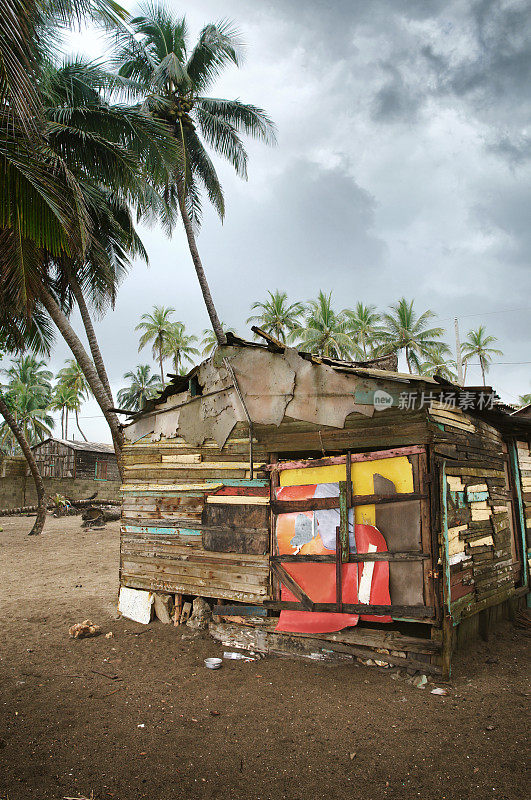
{"x":343,"y":521}
{"x":339,"y":584}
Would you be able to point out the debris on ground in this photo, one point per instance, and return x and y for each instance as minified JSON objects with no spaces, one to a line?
{"x":109,"y":635}
{"x":82,"y":630}
{"x":164,"y":606}
{"x":419,"y":681}
{"x":440,"y":690}
{"x":231,"y":654}
{"x":201,"y":614}
{"x":96,"y":515}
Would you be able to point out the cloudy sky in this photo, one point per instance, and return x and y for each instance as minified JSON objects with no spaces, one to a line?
{"x":402,"y":168}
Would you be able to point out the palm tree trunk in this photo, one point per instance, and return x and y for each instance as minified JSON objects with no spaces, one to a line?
{"x":482,"y":372}
{"x":91,"y":334}
{"x":161,"y":367}
{"x":201,"y":277}
{"x":63,"y":422}
{"x":407,"y":361}
{"x":87,"y":367}
{"x":66,"y":422}
{"x":32,"y":464}
{"x":79,"y":427}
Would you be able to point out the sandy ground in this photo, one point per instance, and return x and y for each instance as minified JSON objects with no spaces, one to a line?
{"x":156,"y":724}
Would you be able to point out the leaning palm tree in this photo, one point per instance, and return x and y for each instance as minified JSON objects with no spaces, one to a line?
{"x":142,"y":387}
{"x":324,"y":331}
{"x":179,"y":346}
{"x":173,"y":80}
{"x":478,"y":345}
{"x":156,"y":329}
{"x":73,"y":377}
{"x":364,"y":326}
{"x":406,"y":331}
{"x":277,"y":316}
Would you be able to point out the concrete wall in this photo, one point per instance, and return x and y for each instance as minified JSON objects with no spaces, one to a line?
{"x":16,"y":489}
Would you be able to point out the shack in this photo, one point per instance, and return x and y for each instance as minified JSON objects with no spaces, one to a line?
{"x":75,"y":469}
{"x":327,"y":508}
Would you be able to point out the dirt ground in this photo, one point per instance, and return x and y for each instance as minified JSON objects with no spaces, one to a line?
{"x":139,"y":716}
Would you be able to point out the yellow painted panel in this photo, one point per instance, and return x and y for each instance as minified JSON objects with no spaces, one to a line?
{"x":397,"y":469}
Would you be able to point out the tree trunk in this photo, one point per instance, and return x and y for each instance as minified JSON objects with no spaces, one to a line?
{"x":201,"y":277}
{"x":407,"y":361}
{"x":63,"y":422}
{"x":66,"y":422}
{"x":79,"y":426}
{"x":87,"y":367}
{"x":161,"y":367}
{"x":32,"y":464}
{"x":482,"y":372}
{"x":91,"y":334}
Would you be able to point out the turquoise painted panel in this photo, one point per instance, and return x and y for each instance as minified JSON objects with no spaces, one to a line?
{"x":476,"y":497}
{"x":458,"y":498}
{"x":171,"y":531}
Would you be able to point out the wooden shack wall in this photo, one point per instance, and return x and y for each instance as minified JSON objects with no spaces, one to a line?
{"x":55,"y":459}
{"x":86,"y":464}
{"x":524,"y":463}
{"x":168,"y":483}
{"x":478,"y":556}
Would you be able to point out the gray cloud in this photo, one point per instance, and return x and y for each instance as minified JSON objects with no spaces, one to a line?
{"x":402,"y":169}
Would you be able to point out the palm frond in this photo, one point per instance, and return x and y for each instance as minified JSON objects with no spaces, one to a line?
{"x":219,"y":44}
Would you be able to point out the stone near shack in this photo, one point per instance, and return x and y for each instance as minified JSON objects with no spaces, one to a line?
{"x":163,"y":606}
{"x":201,"y":614}
{"x":135,"y":604}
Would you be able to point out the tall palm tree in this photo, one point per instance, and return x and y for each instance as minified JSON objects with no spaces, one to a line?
{"x":142,"y":387}
{"x":406,"y":331}
{"x":436,"y":361}
{"x":179,"y":346}
{"x":277,"y":316}
{"x":72,"y":377}
{"x":477,"y":345}
{"x":64,"y":399}
{"x":66,"y":188}
{"x":364,"y":326}
{"x":209,"y":341}
{"x":173,"y":80}
{"x":156,"y":329}
{"x":324,"y":331}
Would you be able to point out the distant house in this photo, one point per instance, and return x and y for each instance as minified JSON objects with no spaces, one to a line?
{"x":62,"y":458}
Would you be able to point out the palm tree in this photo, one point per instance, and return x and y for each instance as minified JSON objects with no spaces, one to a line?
{"x":179,"y":346}
{"x":364,"y":326}
{"x":478,"y":344}
{"x":277,"y":316}
{"x":173,"y":80}
{"x":323,"y":331}
{"x":69,"y":170}
{"x":437,"y":363}
{"x":524,"y":399}
{"x":156,"y":329}
{"x":209,"y":341}
{"x":73,"y":378}
{"x":143,"y":386}
{"x":64,"y":399}
{"x":406,"y":331}
{"x":16,"y":333}
{"x":27,"y":395}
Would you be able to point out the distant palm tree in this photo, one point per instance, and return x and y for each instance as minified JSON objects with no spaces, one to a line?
{"x":31,"y":373}
{"x":209,"y":341}
{"x":364,"y":325}
{"x":156,"y":327}
{"x":478,"y":345}
{"x":64,"y":399}
{"x":73,"y":378}
{"x":406,"y":331}
{"x":277,"y":316}
{"x":436,"y":361}
{"x":27,"y":395}
{"x":174,"y":81}
{"x":323,"y":331}
{"x":179,"y":346}
{"x":143,"y":386}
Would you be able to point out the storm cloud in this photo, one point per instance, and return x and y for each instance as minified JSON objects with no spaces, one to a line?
{"x":402,"y":168}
